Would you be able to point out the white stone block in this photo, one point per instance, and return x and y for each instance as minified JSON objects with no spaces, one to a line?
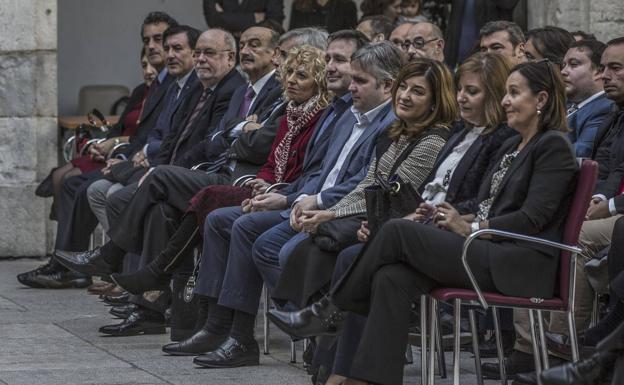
{"x":28,"y":25}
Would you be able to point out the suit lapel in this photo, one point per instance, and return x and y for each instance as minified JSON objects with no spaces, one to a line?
{"x":464,"y":163}
{"x":156,"y":97}
{"x":268,"y":87}
{"x":520,"y":158}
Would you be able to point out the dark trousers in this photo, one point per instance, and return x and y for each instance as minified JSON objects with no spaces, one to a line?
{"x":169,"y":185}
{"x":406,"y":259}
{"x":75,"y":219}
{"x":616,"y":259}
{"x":227,"y":271}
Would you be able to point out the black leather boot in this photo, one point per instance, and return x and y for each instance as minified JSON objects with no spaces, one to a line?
{"x":320,"y":318}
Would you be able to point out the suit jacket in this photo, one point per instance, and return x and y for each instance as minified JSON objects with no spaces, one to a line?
{"x":168,"y":120}
{"x":356,"y":163}
{"x":585,"y":123}
{"x":215,"y":108}
{"x":485,"y":10}
{"x":317,"y":146}
{"x":238,"y":17}
{"x":334,"y":16}
{"x":136,"y":97}
{"x":533,"y":199}
{"x":151,"y":111}
{"x":606,"y":147}
{"x":473,"y":166}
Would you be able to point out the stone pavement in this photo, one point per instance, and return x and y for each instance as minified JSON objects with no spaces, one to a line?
{"x":50,"y":337}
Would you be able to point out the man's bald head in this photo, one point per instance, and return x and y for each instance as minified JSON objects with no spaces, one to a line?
{"x":426,"y":40}
{"x":399,"y":35}
{"x":215,"y":54}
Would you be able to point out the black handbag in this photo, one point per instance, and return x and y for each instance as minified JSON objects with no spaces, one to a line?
{"x":392,"y":197}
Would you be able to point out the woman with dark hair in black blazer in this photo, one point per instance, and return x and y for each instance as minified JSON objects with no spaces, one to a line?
{"x":528,"y":192}
{"x":333,"y":15}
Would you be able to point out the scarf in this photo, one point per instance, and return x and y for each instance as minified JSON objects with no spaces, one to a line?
{"x":297,"y":118}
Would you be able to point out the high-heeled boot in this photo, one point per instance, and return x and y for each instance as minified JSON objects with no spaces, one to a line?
{"x":157,"y":274}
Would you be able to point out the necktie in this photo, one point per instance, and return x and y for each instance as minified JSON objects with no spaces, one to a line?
{"x":198,"y":107}
{"x":244,"y":108}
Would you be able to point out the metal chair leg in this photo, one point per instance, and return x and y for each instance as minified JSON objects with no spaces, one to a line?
{"x":423,"y":339}
{"x":475,"y":345}
{"x":499,"y":346}
{"x":542,"y":338}
{"x":293,"y":352}
{"x":409,"y":356}
{"x":439,"y":347}
{"x":594,"y":315}
{"x":573,"y":339}
{"x":433,"y":320}
{"x":456,"y":339}
{"x":534,"y":342}
{"x":92,"y":241}
{"x":266,"y":320}
{"x":306,"y":342}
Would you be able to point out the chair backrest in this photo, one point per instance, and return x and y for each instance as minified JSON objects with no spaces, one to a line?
{"x":101,"y":96}
{"x":574,"y":221}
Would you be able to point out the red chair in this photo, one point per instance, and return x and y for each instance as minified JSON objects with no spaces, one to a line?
{"x":562,"y":302}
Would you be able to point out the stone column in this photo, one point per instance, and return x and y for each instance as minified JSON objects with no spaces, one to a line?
{"x":28,"y":125}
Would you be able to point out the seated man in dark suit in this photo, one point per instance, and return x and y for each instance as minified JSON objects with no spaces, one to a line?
{"x":589,"y":103}
{"x":74,"y":226}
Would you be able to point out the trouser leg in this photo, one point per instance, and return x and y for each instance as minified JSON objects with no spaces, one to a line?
{"x":97,"y":194}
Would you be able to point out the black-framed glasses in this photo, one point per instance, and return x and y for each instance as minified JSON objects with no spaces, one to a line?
{"x":209,"y":53}
{"x":418,"y":43}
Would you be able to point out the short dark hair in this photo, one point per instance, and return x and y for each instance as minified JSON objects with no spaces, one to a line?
{"x":584,"y":35}
{"x":513,"y":30}
{"x":158,"y":17}
{"x":616,"y":41}
{"x":353,"y":35}
{"x":273,"y":26}
{"x":380,"y":24}
{"x":551,"y":42}
{"x":191,"y":33}
{"x":595,"y":48}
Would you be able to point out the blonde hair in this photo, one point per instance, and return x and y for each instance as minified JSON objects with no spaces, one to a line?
{"x":313,"y":59}
{"x":492,"y":70}
{"x":444,"y":110}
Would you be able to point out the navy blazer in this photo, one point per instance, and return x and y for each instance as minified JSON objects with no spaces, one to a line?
{"x":584,"y":124}
{"x":165,"y":122}
{"x":357,"y":161}
{"x":317,"y":148}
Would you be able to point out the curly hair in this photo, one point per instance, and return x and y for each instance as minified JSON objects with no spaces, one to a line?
{"x":313,"y":59}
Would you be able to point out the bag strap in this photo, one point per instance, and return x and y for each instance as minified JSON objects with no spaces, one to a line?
{"x":440,"y":131}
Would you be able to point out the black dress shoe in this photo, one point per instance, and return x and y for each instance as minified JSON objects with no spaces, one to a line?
{"x":201,"y":342}
{"x":320,"y":318}
{"x":87,"y":262}
{"x":142,"y":280}
{"x":517,"y":362}
{"x":142,"y":321}
{"x":26,"y":278}
{"x":230,"y":354}
{"x":591,"y":371}
{"x":115,"y":300}
{"x":560,"y":344}
{"x":531,"y":377}
{"x":123,"y":311}
{"x":487,"y":347}
{"x":62,"y":280}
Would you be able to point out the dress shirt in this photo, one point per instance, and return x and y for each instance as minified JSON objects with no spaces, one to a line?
{"x":363,"y":121}
{"x":181,"y":82}
{"x":257,"y":87}
{"x":435,"y":191}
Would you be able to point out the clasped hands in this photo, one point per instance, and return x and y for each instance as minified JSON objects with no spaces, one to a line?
{"x":598,"y":209}
{"x":443,"y":216}
{"x":306,"y":217}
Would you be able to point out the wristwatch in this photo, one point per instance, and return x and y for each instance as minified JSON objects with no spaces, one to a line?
{"x":475,"y":226}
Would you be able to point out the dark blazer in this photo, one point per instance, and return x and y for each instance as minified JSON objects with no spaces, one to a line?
{"x":610,"y":181}
{"x":334,"y":16}
{"x":238,"y":17}
{"x":136,"y":97}
{"x":151,"y":110}
{"x":533,"y":199}
{"x":472,"y":168}
{"x":216,"y":106}
{"x":356,"y":164}
{"x":605,"y":148}
{"x":485,"y":10}
{"x":585,"y":122}
{"x":318,"y":145}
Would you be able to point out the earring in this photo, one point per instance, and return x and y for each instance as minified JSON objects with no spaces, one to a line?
{"x":539,"y":112}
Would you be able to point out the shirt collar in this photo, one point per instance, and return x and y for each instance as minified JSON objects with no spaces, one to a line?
{"x":259,"y":84}
{"x":589,"y":99}
{"x":367,"y":117}
{"x":162,"y":75}
{"x":182,"y":81}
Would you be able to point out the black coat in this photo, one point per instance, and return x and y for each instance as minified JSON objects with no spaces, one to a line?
{"x":136,"y":97}
{"x":334,"y":16}
{"x":610,"y":158}
{"x":238,"y":17}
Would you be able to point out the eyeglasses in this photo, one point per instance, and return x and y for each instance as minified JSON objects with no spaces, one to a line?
{"x":417,"y":43}
{"x":209,"y":53}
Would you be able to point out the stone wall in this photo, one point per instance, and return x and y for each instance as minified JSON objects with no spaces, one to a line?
{"x":604,"y":18}
{"x":28,"y":127}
